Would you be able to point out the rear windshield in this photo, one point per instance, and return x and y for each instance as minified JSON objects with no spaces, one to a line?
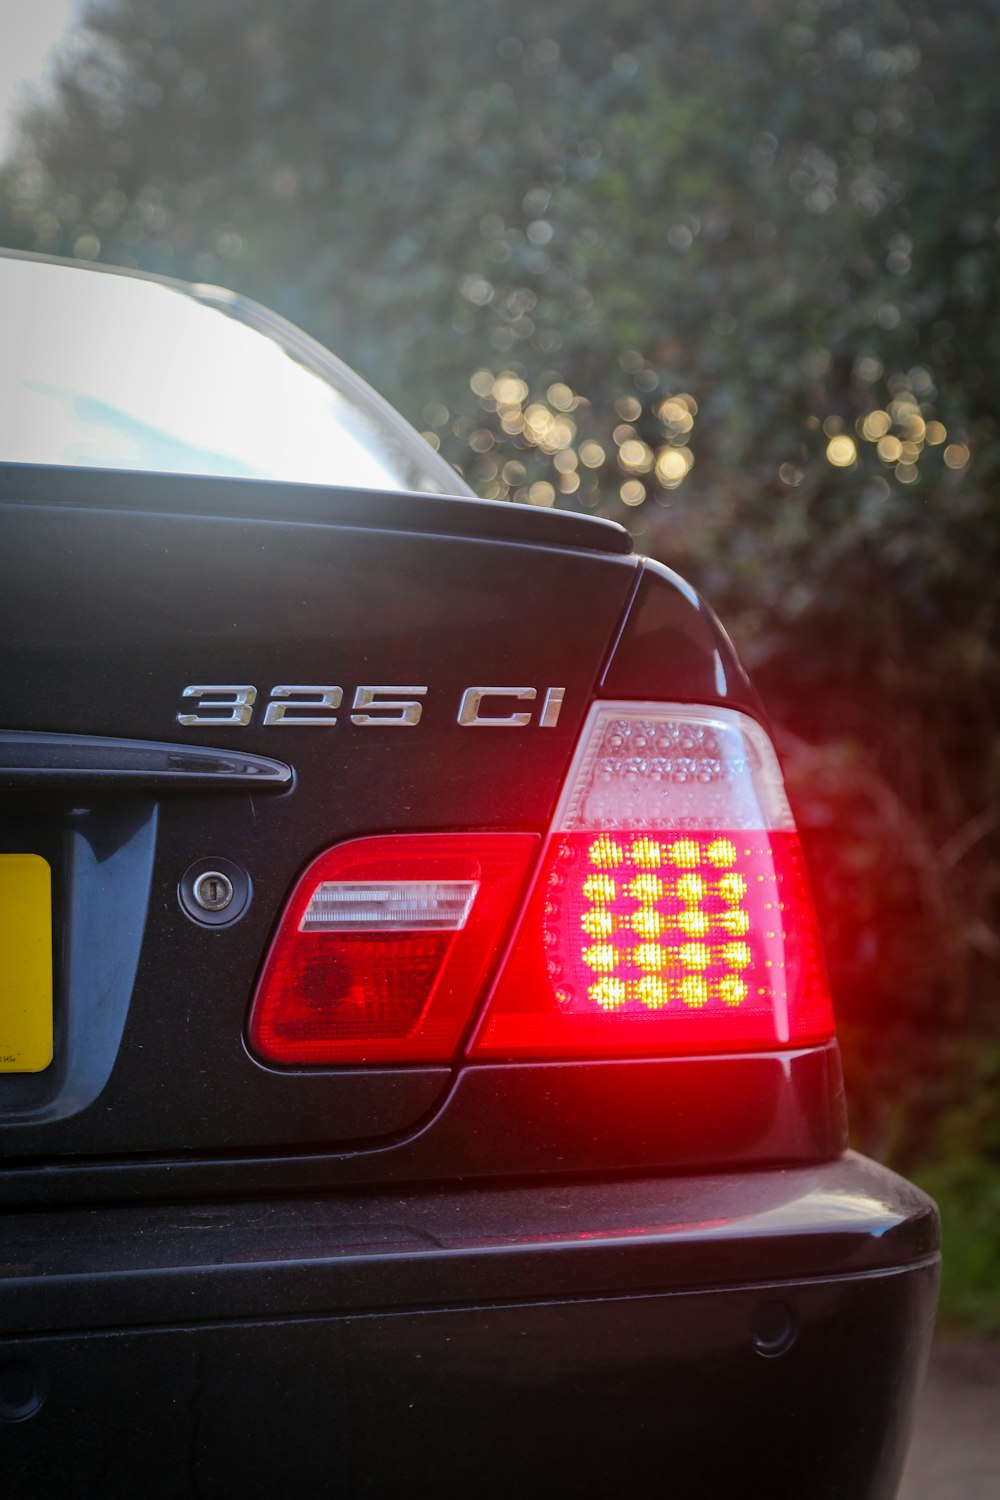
{"x":119,"y":372}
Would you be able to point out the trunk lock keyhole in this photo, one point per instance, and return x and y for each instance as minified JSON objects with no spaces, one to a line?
{"x":214,"y":892}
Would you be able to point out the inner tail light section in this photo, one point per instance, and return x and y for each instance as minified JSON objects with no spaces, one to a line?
{"x":385,"y":947}
{"x":671,"y":912}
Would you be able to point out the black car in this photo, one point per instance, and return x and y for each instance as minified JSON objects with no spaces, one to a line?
{"x":418,"y":1070}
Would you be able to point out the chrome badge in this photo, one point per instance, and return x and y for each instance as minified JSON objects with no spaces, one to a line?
{"x":313,"y":706}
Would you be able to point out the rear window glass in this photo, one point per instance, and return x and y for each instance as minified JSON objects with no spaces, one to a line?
{"x":113,"y":371}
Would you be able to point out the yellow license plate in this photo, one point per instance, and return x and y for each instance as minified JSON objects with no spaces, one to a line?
{"x":25,"y":963}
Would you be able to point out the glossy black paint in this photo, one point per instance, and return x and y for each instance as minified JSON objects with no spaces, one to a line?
{"x":181,"y":495}
{"x":109,"y":614}
{"x":647,"y":1395}
{"x":284,"y":1257}
{"x":494,"y":1120}
{"x":673,"y":648}
{"x":106,"y":614}
{"x":546,"y":1340}
{"x":128,"y":587}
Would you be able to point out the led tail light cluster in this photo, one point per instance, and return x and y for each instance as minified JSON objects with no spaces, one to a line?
{"x":670,"y":913}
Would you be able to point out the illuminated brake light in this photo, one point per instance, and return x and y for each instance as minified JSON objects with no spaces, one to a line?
{"x":385,"y":946}
{"x":671,"y":912}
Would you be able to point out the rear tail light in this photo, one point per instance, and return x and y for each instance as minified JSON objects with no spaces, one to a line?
{"x":385,"y":946}
{"x":671,"y":912}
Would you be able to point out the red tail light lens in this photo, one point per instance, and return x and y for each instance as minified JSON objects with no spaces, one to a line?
{"x":672,"y":911}
{"x":385,"y":947}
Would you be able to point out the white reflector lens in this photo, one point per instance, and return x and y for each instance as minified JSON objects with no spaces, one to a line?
{"x":404,"y":906}
{"x":672,"y":766}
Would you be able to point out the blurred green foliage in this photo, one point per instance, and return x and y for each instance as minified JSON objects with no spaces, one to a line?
{"x":726,"y":272}
{"x":964,"y":1179}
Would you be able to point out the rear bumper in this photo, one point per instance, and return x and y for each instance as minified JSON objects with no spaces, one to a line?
{"x":762,"y":1333}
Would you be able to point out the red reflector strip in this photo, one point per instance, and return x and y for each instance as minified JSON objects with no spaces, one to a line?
{"x":656,"y":942}
{"x":385,"y":946}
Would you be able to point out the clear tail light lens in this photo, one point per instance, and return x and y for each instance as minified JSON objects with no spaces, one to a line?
{"x":671,"y":912}
{"x":385,"y":947}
